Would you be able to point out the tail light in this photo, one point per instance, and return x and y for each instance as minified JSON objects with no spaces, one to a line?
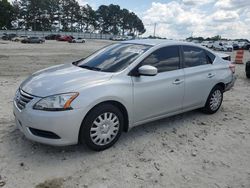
{"x":232,"y":67}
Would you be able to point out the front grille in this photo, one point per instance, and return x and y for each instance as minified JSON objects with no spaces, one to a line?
{"x":22,"y":99}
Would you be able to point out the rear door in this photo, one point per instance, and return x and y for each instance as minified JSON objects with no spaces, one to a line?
{"x":163,"y":93}
{"x":200,"y":76}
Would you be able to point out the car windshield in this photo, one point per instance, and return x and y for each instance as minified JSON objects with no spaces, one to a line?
{"x":113,"y":58}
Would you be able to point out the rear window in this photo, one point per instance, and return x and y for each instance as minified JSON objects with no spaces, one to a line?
{"x":194,"y":56}
{"x":210,"y":57}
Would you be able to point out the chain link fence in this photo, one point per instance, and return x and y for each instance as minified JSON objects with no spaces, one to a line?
{"x":45,"y":33}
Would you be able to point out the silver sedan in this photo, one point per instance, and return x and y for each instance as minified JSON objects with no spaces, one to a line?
{"x":123,"y":85}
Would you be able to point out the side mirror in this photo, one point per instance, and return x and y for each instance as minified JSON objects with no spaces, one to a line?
{"x":147,"y":70}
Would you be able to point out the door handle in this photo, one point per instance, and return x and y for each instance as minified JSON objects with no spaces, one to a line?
{"x":210,"y":75}
{"x":177,"y":81}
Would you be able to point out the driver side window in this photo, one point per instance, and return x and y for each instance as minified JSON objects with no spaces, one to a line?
{"x":164,"y":59}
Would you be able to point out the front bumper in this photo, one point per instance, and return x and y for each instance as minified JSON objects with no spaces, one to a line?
{"x":64,"y":124}
{"x":230,"y":84}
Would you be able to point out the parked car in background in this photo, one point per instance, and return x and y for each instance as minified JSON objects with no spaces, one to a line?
{"x":118,"y":38}
{"x":218,"y":45}
{"x":205,"y":43}
{"x":248,"y":69}
{"x":8,"y":36}
{"x":241,"y":44}
{"x":77,"y":40}
{"x":210,"y":44}
{"x":66,"y":38}
{"x":123,"y":85}
{"x":52,"y":37}
{"x":246,"y":46}
{"x":228,"y":47}
{"x":196,"y":41}
{"x":236,"y":46}
{"x":19,"y":38}
{"x":223,"y":46}
{"x":33,"y":40}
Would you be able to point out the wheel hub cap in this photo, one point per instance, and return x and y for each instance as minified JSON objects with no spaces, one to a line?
{"x":104,"y":128}
{"x":215,"y":100}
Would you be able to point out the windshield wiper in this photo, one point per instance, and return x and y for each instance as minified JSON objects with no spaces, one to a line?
{"x":77,"y":61}
{"x":90,"y":68}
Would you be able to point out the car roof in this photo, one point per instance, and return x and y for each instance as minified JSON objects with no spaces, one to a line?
{"x":155,"y":42}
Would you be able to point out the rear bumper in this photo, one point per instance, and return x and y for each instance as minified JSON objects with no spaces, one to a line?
{"x":230,"y":84}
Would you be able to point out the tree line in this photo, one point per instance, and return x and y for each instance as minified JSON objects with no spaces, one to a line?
{"x":214,"y":38}
{"x":68,"y":15}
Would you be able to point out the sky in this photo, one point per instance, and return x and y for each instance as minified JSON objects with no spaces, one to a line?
{"x":184,"y":18}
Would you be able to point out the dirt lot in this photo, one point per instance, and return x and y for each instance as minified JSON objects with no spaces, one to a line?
{"x":191,"y":150}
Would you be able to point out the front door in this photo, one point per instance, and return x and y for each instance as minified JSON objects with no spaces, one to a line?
{"x":158,"y":95}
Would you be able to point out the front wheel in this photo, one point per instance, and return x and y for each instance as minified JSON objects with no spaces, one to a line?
{"x":102,"y":127}
{"x":214,"y":100}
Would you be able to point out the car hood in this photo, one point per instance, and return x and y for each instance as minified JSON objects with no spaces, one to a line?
{"x":62,"y":79}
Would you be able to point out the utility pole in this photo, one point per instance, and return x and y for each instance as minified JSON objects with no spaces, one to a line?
{"x":154,"y":29}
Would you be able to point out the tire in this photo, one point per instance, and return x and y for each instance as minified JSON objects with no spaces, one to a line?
{"x":95,"y":130}
{"x":247,"y":69}
{"x":212,"y":106}
{"x":248,"y":75}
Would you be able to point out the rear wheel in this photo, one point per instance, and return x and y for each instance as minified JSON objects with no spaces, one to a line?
{"x":102,"y":127}
{"x":214,"y":100}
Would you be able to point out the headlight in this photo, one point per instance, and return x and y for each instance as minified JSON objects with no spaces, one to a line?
{"x":56,"y":102}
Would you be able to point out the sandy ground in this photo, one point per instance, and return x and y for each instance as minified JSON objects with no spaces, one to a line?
{"x":191,"y":150}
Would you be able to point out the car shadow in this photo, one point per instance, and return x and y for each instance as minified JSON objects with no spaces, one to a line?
{"x":17,"y":146}
{"x":168,"y":124}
